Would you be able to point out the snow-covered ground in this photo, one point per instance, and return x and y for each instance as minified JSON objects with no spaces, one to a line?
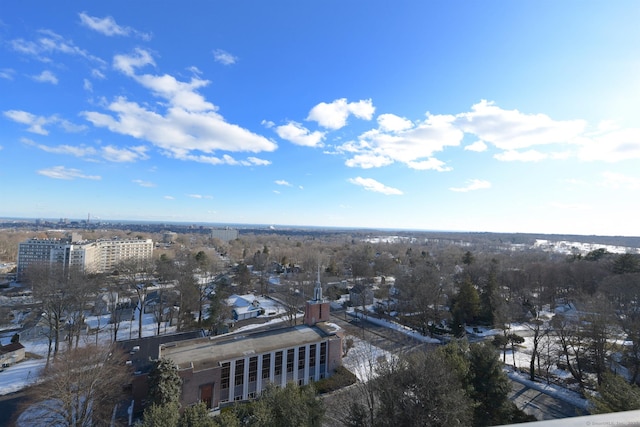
{"x":360,"y":359}
{"x":25,"y":373}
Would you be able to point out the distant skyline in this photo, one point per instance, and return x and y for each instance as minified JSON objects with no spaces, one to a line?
{"x":458,"y":116}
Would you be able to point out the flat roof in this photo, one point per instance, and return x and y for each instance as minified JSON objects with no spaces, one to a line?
{"x":206,"y":353}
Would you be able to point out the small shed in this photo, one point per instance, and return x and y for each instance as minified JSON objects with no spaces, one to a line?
{"x":11,"y":354}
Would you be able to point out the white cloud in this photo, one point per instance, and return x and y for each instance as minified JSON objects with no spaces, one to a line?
{"x":619,"y":181}
{"x":124,"y":155}
{"x":521,"y":156}
{"x":370,"y":184}
{"x":169,"y":197}
{"x":142,"y":183}
{"x":36,"y":123}
{"x":199,"y":196}
{"x":109,"y":152}
{"x":430,"y":164}
{"x":224,"y":57}
{"x":393,"y":123}
{"x":283,"y":182}
{"x":414,"y":146}
{"x":334,"y":115}
{"x":127,"y":64}
{"x":77,"y":151}
{"x":613,"y":146}
{"x":267,"y":123}
{"x":46,"y":77}
{"x":224,"y":160}
{"x":368,"y":161}
{"x":190,"y":125}
{"x":98,"y":74}
{"x":87,"y":85}
{"x":477,"y":146}
{"x":109,"y":27}
{"x":60,"y":172}
{"x":513,"y":130}
{"x":69,"y":127}
{"x":258,"y":162}
{"x":299,"y":135}
{"x":50,"y":42}
{"x":7,"y":73}
{"x":472,"y":185}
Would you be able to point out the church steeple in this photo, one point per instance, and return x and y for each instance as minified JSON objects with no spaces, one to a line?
{"x":316,"y":309}
{"x":317,"y":290}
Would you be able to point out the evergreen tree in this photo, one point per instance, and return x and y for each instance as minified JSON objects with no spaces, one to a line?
{"x":626,"y":263}
{"x":165,"y":385}
{"x":490,"y":299}
{"x":615,"y":395}
{"x":490,"y":386}
{"x":196,"y":416}
{"x":291,"y":406}
{"x":421,"y":389}
{"x":466,"y":306}
{"x":166,"y":415}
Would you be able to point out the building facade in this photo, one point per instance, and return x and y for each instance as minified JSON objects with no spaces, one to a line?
{"x":234,"y":367}
{"x":88,"y":256}
{"x":225,"y":369}
{"x":225,"y":234}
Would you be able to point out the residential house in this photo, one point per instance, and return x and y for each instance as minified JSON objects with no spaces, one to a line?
{"x":361,"y":295}
{"x":11,"y":354}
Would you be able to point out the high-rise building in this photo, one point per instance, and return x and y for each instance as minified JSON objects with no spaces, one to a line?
{"x":96,"y":256}
{"x":225,"y":234}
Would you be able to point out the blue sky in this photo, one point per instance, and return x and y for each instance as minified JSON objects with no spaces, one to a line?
{"x":505,"y":116}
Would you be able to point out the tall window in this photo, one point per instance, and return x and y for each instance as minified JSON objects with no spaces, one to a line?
{"x":224,"y":376}
{"x":239,"y":372}
{"x":301,"y":354}
{"x":253,"y":369}
{"x":278,"y":363}
{"x":290,"y":355}
{"x":312,"y":355}
{"x":266,"y":365}
{"x":323,"y":353}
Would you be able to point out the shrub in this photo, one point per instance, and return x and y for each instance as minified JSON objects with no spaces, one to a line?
{"x":341,"y":377}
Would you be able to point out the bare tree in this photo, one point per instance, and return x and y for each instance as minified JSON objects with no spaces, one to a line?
{"x":573,"y":345}
{"x":187,"y":287}
{"x":81,"y":287}
{"x":137,"y":276}
{"x":50,"y":288}
{"x":80,"y":389}
{"x":540,"y":329}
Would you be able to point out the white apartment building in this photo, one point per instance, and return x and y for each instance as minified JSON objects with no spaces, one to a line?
{"x":89,"y":256}
{"x":225,"y":234}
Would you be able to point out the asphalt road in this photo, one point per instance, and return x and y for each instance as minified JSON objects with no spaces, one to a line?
{"x":540,"y":405}
{"x":9,"y":407}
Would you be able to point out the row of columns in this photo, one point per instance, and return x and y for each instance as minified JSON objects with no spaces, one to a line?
{"x":272,"y":366}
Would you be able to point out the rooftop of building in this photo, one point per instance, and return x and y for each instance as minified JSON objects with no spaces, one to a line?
{"x":206,"y":353}
{"x":142,"y":351}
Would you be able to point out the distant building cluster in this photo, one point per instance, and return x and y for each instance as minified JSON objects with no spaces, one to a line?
{"x":96,"y":256}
